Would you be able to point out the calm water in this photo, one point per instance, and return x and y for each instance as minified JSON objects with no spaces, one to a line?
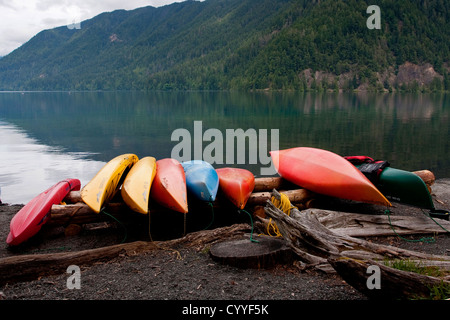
{"x":46,"y":137}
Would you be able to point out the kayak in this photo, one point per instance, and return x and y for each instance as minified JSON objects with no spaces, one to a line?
{"x":137,"y":184}
{"x":327,"y":173}
{"x":398,"y":185}
{"x":202,"y":180}
{"x":169,"y":185}
{"x":29,"y":220}
{"x":408,"y":188}
{"x":106,"y":182}
{"x":237,"y":185}
{"x":404,"y":187}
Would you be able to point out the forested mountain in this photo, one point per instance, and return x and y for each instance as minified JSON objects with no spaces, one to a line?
{"x":242,"y":44}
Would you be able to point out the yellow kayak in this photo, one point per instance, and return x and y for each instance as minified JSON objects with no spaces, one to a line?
{"x":137,"y":184}
{"x":104,"y":185}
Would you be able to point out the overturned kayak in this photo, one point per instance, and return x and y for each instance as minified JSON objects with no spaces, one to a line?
{"x":137,"y":184}
{"x":29,"y":220}
{"x":202,"y":180}
{"x":327,"y":173}
{"x":169,"y":185}
{"x":397,"y":185}
{"x":106,"y":182}
{"x":404,"y":187}
{"x":237,"y":185}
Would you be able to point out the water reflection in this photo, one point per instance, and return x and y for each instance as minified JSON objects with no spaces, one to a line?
{"x":27,"y":168}
{"x":410,"y":130}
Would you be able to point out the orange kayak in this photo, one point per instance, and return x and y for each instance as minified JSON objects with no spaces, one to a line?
{"x":169,"y":185}
{"x":237,"y":184}
{"x":326,"y":173}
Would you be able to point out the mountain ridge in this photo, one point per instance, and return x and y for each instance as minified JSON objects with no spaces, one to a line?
{"x":242,"y":45}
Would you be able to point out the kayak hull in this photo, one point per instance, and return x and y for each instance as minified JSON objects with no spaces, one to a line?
{"x":169,"y":185}
{"x":237,"y":185}
{"x":102,"y":188}
{"x":202,"y":180}
{"x":137,"y":184}
{"x":404,"y":187}
{"x":29,"y":220}
{"x":326,"y":173}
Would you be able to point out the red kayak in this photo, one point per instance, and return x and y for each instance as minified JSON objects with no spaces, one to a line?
{"x":237,"y":184}
{"x":29,"y":220}
{"x":326,"y":173}
{"x":169,"y":185}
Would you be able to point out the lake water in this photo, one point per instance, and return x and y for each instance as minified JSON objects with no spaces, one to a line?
{"x":50,"y":136}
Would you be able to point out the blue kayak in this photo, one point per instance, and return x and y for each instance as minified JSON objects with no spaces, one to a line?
{"x":202,"y":180}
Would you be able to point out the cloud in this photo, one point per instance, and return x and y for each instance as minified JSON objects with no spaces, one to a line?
{"x":21,"y":20}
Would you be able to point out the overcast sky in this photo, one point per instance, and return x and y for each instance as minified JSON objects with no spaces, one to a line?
{"x":20,"y":20}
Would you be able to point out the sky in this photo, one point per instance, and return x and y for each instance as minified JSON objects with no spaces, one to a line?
{"x":20,"y":20}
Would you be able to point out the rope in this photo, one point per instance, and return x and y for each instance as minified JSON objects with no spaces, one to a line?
{"x":423,"y":239}
{"x":284,"y":205}
{"x":251,"y":221}
{"x":427,"y":215}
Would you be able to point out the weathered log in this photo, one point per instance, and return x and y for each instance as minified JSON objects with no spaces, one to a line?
{"x":427,"y":176}
{"x":314,"y":243}
{"x":269,"y":183}
{"x":32,"y":266}
{"x":365,"y":225}
{"x":295,"y":196}
{"x":80,"y":213}
{"x":394,"y":284}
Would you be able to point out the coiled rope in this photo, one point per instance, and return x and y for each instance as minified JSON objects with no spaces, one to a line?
{"x":284,"y":205}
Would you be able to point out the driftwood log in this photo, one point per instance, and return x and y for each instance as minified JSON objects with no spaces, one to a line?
{"x":317,"y":245}
{"x":80,"y":213}
{"x":394,"y":284}
{"x":366,"y":225}
{"x":32,"y":266}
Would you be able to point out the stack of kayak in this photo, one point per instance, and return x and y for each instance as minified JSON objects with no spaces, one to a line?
{"x":169,"y":182}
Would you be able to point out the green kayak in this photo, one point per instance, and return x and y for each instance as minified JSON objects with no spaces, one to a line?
{"x":399,"y":185}
{"x":404,"y":187}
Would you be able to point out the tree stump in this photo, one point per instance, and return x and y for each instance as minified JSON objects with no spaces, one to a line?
{"x":243,"y":253}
